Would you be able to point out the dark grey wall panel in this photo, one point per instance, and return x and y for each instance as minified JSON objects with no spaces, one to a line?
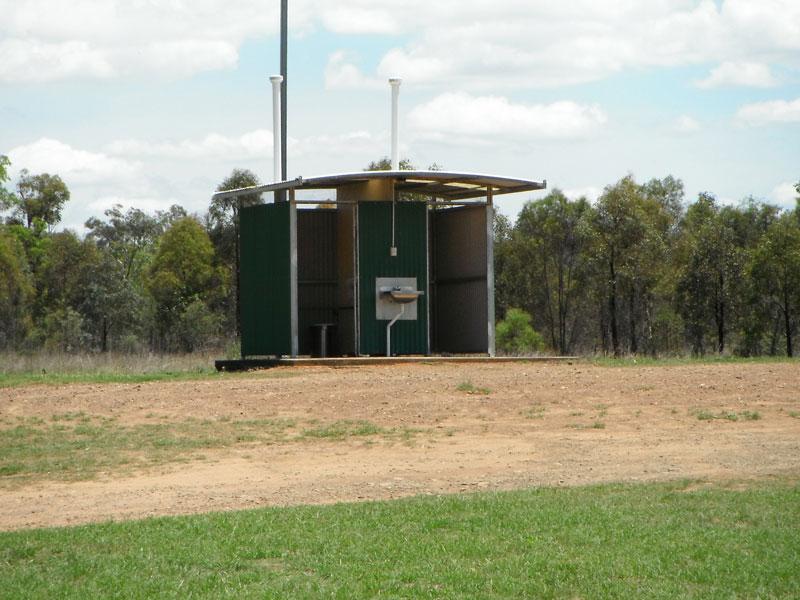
{"x":459,"y":280}
{"x":316,"y":272}
{"x":346,"y":278}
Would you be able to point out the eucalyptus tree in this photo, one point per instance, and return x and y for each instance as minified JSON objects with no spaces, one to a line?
{"x":710,"y":268}
{"x":616,"y":229}
{"x":64,"y":281}
{"x":775,"y":271}
{"x":129,"y":237}
{"x":16,"y":291}
{"x":756,"y":319}
{"x":629,"y":229}
{"x":39,"y":199}
{"x":550,"y":235}
{"x":385,"y":164}
{"x":503,"y":272}
{"x":4,"y":193}
{"x":186,"y":285}
{"x":222,"y":223}
{"x":32,"y":210}
{"x":118,"y":301}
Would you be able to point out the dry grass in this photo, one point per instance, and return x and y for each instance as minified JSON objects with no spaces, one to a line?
{"x":108,"y":363}
{"x":58,"y":368}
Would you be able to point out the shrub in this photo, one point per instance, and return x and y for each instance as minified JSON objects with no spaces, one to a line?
{"x":198,"y":327}
{"x":514,"y":334}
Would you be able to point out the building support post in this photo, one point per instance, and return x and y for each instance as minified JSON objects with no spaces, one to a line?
{"x":490,"y":269}
{"x":428,"y":258}
{"x":293,"y":302}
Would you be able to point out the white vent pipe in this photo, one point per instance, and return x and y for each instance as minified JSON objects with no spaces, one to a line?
{"x":276,"y":126}
{"x":395,"y":83}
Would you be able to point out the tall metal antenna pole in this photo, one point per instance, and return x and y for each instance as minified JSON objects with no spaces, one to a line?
{"x":284,"y":87}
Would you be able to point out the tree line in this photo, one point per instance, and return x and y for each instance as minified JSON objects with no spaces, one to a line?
{"x":137,"y":281}
{"x":639,"y":271}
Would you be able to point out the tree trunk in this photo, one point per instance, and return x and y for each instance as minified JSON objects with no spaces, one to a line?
{"x":603,"y":329}
{"x":773,"y":343}
{"x":562,"y":314}
{"x":632,"y":321}
{"x":548,"y":301}
{"x":787,"y":323}
{"x":612,"y":308}
{"x":104,"y":336}
{"x":720,"y":314}
{"x":648,"y":319}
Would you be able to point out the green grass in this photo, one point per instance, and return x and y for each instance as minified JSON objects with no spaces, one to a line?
{"x":470,"y":388}
{"x":647,"y":361}
{"x":60,"y":368}
{"x":595,"y":425}
{"x":745,"y":415}
{"x":347,"y":428}
{"x":613,"y":541}
{"x":534,"y":412}
{"x":48,"y":378}
{"x":76,"y":446}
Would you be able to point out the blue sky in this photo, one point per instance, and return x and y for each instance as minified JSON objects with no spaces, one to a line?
{"x":152,"y":103}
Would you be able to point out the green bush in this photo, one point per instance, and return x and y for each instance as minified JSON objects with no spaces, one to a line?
{"x":198,"y":327}
{"x":514,"y":334}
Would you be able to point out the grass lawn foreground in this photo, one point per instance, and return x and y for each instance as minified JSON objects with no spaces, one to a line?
{"x":665,"y":540}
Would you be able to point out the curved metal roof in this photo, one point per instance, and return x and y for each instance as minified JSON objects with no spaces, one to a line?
{"x":440,"y":184}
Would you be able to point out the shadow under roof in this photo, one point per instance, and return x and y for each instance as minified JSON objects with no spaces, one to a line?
{"x":440,"y":184}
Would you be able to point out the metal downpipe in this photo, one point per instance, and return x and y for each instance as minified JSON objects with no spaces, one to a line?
{"x":389,"y":330}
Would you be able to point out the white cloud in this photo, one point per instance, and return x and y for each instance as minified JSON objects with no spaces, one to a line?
{"x":469,"y":44}
{"x":355,"y":17}
{"x":46,"y":40}
{"x":480,"y":45}
{"x":184,"y":57}
{"x":686,"y":124}
{"x":154,"y":174}
{"x":591,"y":193}
{"x":773,"y":111}
{"x":355,"y":143}
{"x":749,"y":74}
{"x":341,"y":73}
{"x":214,"y":145}
{"x":485,"y":119}
{"x":37,"y":61}
{"x":73,"y":165}
{"x":145,"y":203}
{"x":785,"y":194}
{"x":254,"y":144}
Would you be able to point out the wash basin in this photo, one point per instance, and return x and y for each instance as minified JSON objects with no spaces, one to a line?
{"x":402,"y":295}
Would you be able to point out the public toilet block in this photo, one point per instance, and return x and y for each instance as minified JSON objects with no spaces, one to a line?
{"x":371,"y":263}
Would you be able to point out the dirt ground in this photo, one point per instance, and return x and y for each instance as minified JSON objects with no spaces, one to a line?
{"x":522,"y":425}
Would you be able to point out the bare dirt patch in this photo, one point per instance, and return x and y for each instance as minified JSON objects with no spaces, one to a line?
{"x":475,"y":427}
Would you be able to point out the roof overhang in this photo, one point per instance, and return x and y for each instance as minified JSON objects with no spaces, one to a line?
{"x":438,"y":184}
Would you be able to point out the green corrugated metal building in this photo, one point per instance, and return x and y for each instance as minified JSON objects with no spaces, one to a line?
{"x":397,"y":263}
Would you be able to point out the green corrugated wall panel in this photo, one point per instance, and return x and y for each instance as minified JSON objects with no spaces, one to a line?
{"x":375,"y":238}
{"x":264,"y":275}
